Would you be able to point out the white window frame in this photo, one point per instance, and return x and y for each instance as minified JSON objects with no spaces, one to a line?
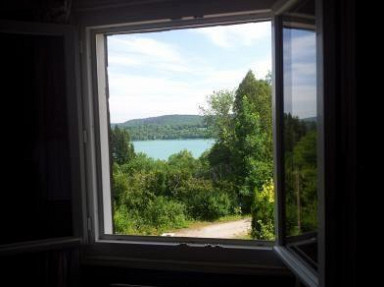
{"x":219,"y":255}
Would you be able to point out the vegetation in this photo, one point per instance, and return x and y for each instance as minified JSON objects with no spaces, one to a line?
{"x":300,"y":174}
{"x":167,"y":127}
{"x":233,"y":178}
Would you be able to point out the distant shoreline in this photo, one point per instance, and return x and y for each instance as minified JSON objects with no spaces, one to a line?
{"x":173,"y":139}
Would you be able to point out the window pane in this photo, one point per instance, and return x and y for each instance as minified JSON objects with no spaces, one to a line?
{"x":300,"y":128}
{"x":191,"y":132}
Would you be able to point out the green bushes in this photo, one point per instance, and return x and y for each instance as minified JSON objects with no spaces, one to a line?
{"x":164,"y":212}
{"x":203,"y":200}
{"x":262,"y":213}
{"x":154,"y":196}
{"x":233,"y":178}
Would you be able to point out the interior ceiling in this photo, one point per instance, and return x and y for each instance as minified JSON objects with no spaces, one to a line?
{"x":26,"y":4}
{"x":65,"y":11}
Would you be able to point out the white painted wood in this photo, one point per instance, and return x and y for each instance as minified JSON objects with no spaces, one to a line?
{"x":104,"y":131}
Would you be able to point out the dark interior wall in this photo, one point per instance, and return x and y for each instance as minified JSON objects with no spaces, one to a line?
{"x":36,"y":201}
{"x":52,"y":11}
{"x":54,"y":268}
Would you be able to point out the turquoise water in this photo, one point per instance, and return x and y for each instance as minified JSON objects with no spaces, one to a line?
{"x":162,"y":149}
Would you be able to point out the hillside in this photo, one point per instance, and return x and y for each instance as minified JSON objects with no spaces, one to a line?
{"x":167,"y":127}
{"x":171,"y":120}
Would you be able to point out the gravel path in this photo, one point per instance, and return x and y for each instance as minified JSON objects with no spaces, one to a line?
{"x":232,"y":229}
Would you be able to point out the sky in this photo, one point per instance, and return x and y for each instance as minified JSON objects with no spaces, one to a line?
{"x":173,"y":72}
{"x":299,"y":50}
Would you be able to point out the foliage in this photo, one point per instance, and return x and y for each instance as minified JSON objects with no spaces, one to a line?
{"x":167,"y":127}
{"x":262,"y":213}
{"x":259,"y":93}
{"x":164,"y":212}
{"x":300,"y":175}
{"x":219,"y":115}
{"x":121,"y":148}
{"x":232,"y":178}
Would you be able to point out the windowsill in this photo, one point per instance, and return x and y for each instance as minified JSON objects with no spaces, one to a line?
{"x":234,"y":259}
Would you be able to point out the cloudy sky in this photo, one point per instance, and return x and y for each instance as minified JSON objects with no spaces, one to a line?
{"x":172,"y":72}
{"x":300,"y":72}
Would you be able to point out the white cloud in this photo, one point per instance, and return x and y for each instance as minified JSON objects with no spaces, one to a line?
{"x":262,"y":67}
{"x":140,"y":45}
{"x":132,"y":51}
{"x":149,"y":77}
{"x":153,"y":96}
{"x":241,"y":34}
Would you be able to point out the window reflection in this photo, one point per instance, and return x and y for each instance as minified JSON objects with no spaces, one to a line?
{"x":300,"y":130}
{"x":300,"y":119}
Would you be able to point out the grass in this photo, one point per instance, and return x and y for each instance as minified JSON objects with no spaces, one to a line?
{"x":244,"y":236}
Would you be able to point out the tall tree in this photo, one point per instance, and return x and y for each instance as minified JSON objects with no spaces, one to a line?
{"x":219,"y":117}
{"x":253,"y":138}
{"x":259,"y":94}
{"x":252,"y":167}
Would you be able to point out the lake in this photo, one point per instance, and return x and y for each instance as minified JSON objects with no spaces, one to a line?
{"x":162,"y":149}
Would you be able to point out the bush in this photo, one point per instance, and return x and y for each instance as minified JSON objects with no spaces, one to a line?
{"x":123,"y":222}
{"x":165,"y":213}
{"x":263,"y":230}
{"x":203,"y":201}
{"x":262,"y":213}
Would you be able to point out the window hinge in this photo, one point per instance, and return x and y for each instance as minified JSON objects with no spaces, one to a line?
{"x":85,"y":136}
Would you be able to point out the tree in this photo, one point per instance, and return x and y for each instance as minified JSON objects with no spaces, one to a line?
{"x":252,"y":158}
{"x":219,"y":117}
{"x":259,"y":94}
{"x":251,"y":162}
{"x":121,"y":147}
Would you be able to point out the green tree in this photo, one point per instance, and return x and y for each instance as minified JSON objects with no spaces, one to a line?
{"x":121,"y":147}
{"x":259,"y":94}
{"x":252,"y":166}
{"x":219,"y":117}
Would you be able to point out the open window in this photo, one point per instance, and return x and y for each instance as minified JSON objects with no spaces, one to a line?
{"x":212,"y":192}
{"x":295,"y":130}
{"x":184,"y":132}
{"x":297,"y":136}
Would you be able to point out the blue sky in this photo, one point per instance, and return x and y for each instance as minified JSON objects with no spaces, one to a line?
{"x":300,"y":72}
{"x":173,"y":72}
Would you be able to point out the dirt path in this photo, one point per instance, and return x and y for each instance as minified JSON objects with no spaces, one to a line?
{"x":232,"y":229}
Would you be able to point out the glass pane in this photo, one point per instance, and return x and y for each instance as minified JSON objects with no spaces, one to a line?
{"x":300,"y":127}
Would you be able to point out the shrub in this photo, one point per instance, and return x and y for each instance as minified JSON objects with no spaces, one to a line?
{"x":262,"y":212}
{"x":165,"y":213}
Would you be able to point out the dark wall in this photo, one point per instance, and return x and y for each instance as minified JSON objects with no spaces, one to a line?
{"x":54,"y":268}
{"x":36,"y":174}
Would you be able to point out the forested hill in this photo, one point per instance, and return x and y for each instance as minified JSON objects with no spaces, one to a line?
{"x":167,"y":127}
